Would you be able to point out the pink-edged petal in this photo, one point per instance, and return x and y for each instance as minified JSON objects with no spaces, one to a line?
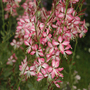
{"x":49,"y":36}
{"x":80,"y":35}
{"x":77,"y":18}
{"x":68,"y":52}
{"x":41,"y":26}
{"x":25,"y":72}
{"x":26,"y":43}
{"x":76,"y":22}
{"x":22,"y":21}
{"x":41,"y":60}
{"x":54,"y":26}
{"x":19,"y":27}
{"x":61,"y":15}
{"x":44,"y":40}
{"x":33,"y":73}
{"x":55,"y":42}
{"x":68,"y":47}
{"x":60,"y":69}
{"x":29,"y":49}
{"x":48,"y":55}
{"x":40,"y":77}
{"x":61,"y":47}
{"x":69,"y":17}
{"x":34,"y":47}
{"x":30,"y":41}
{"x":43,"y":71}
{"x":57,"y":58}
{"x":32,"y":28}
{"x":27,"y":68}
{"x":48,"y":59}
{"x":26,"y":36}
{"x":53,"y":74}
{"x":33,"y":19}
{"x":13,"y":60}
{"x":65,"y":43}
{"x":74,"y":32}
{"x":57,"y":52}
{"x":45,"y":65}
{"x":27,"y":20}
{"x":47,"y":31}
{"x":10,"y":58}
{"x":56,"y":63}
{"x":32,"y":67}
{"x":49,"y":44}
{"x":49,"y":69}
{"x":53,"y":63}
{"x":33,"y":52}
{"x":57,"y":85}
{"x":51,"y":50}
{"x":70,"y":10}
{"x":44,"y":34}
{"x":12,"y":44}
{"x":27,"y":25}
{"x":60,"y":75}
{"x":62,"y":9}
{"x":41,"y":54}
{"x":14,"y":41}
{"x":60,"y":39}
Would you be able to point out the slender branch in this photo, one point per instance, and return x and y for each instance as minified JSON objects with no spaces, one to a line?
{"x":70,"y":68}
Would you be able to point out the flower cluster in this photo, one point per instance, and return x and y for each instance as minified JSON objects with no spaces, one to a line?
{"x":11,"y":6}
{"x":47,"y":36}
{"x":41,"y":70}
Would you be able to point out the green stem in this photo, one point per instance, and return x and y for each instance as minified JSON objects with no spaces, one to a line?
{"x":67,"y":3}
{"x":20,"y":79}
{"x":49,"y":16}
{"x":19,"y":83}
{"x":44,"y":27}
{"x":70,"y":68}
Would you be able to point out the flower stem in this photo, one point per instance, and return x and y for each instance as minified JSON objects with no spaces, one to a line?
{"x":70,"y":67}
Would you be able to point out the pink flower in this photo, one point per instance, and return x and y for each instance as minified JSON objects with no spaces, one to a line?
{"x":74,"y":1}
{"x":53,"y":54}
{"x":16,"y":44}
{"x":46,"y":36}
{"x":56,"y":83}
{"x":30,"y":71}
{"x":37,"y":50}
{"x":23,"y":66}
{"x":29,"y":44}
{"x":54,"y":69}
{"x":11,"y":7}
{"x":40,"y":76}
{"x":12,"y":59}
{"x":61,"y":43}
